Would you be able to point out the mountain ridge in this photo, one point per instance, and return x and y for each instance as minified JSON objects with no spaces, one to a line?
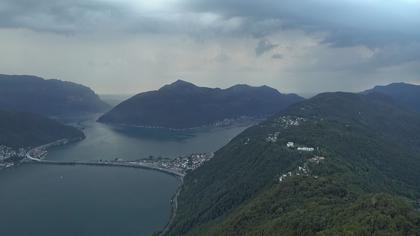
{"x":21,"y":130}
{"x":406,"y":94}
{"x":185,"y":105}
{"x":257,"y":185}
{"x":26,"y":93}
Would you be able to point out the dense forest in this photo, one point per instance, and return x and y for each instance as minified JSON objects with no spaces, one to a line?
{"x":362,"y":178}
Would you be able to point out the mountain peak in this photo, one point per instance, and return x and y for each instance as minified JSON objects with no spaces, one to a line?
{"x":406,"y":94}
{"x":179,"y":84}
{"x":184,"y":105}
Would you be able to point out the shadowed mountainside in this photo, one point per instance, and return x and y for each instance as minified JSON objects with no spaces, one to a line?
{"x":19,"y":129}
{"x":184,"y":105}
{"x":26,"y":93}
{"x":407,"y":95}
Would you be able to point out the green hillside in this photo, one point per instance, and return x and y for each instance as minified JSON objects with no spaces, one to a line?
{"x":363,"y":178}
{"x":27,"y":130}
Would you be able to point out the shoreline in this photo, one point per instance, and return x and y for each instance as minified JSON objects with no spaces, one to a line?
{"x":45,"y":147}
{"x":42,"y":149}
{"x":174,"y":198}
{"x":174,"y":204}
{"x":32,"y":159}
{"x":138,"y":165}
{"x":235,"y":123}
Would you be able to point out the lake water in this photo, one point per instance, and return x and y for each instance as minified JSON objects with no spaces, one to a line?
{"x":83,"y":200}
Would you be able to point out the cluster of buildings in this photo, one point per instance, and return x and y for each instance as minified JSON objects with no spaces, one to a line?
{"x":9,"y":155}
{"x":316,"y":159}
{"x":181,"y":164}
{"x":235,"y":121}
{"x":37,"y":153}
{"x":7,"y":152}
{"x":289,"y":121}
{"x":272,"y":138}
{"x":302,"y":170}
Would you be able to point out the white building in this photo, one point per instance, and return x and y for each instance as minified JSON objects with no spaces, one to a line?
{"x":306,"y":149}
{"x":290,"y":144}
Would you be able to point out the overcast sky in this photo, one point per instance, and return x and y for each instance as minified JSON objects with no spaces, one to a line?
{"x":130,"y":46}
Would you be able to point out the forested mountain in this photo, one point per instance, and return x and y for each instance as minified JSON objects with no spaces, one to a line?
{"x":407,"y":95}
{"x":361,"y":178}
{"x":184,"y":105}
{"x":19,"y":129}
{"x":47,"y":97}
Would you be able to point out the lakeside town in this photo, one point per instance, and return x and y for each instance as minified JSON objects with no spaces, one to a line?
{"x":10,"y":157}
{"x":182,"y":164}
{"x":179,"y":166}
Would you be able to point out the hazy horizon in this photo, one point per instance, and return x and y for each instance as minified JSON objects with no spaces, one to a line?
{"x":127,"y":47}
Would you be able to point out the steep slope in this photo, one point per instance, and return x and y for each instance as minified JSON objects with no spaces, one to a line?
{"x":28,"y":130}
{"x":47,"y":97}
{"x":362,"y":177}
{"x":184,"y":105}
{"x":405,"y":94}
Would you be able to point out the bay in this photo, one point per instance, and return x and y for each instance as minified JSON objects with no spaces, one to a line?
{"x":85,"y":200}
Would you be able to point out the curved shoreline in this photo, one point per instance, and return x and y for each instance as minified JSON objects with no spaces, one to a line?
{"x":126,"y":164}
{"x":174,"y":204}
{"x":174,"y":199}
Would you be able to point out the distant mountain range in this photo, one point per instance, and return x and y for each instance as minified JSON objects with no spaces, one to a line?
{"x":362,"y":177}
{"x":48,"y":97}
{"x":407,"y":95}
{"x":19,"y":129}
{"x":184,"y":105}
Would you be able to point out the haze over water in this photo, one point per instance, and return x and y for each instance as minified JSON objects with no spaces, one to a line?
{"x":129,"y":143}
{"x":82,"y":200}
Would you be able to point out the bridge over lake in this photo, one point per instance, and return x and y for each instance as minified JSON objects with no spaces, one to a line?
{"x":127,"y":164}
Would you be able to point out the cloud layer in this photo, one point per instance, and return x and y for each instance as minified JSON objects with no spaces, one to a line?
{"x":127,"y":46}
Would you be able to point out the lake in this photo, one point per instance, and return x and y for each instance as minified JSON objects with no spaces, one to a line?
{"x":85,"y":200}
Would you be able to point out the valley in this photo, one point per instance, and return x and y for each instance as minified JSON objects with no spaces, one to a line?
{"x":329,"y":155}
{"x":209,"y":118}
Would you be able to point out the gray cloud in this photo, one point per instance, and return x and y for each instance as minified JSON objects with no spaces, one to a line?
{"x":389,"y":27}
{"x":128,"y":16}
{"x":372,"y":23}
{"x":325,"y":44}
{"x":349,"y":22}
{"x":263,"y":46}
{"x":277,"y":56}
{"x":62,"y":16}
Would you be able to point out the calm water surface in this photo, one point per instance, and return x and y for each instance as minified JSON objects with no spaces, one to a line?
{"x":83,"y":200}
{"x":106,"y":142}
